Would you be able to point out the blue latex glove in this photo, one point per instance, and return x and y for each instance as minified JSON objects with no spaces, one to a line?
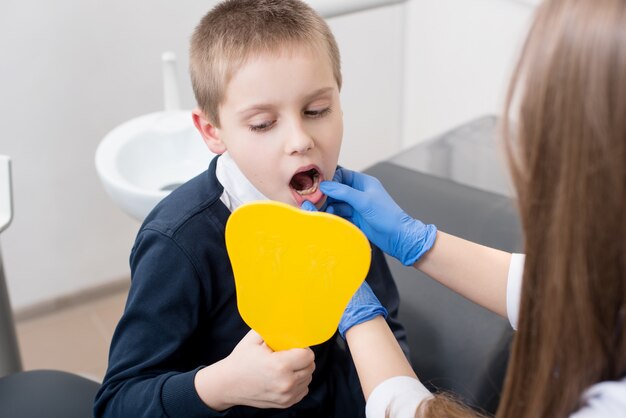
{"x":371,"y":209}
{"x":363,"y":306}
{"x":308,"y":206}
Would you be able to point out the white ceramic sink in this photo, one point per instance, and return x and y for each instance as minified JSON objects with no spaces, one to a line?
{"x":143,"y":160}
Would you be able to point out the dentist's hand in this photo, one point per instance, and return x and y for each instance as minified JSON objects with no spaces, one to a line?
{"x":371,"y":209}
{"x":363,"y":307}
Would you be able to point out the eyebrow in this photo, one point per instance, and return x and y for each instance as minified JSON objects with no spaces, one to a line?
{"x":266,"y":107}
{"x":319,"y":92}
{"x":254,"y":109}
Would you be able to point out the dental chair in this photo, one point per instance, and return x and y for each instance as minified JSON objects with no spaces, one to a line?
{"x":455,"y":345}
{"x":37,"y":393}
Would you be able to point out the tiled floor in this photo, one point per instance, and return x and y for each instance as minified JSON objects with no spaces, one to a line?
{"x":74,"y":339}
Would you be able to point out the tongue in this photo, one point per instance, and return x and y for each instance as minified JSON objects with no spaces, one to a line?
{"x":302,"y":181}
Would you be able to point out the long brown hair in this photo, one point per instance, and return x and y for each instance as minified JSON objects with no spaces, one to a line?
{"x":567,"y":151}
{"x":568,"y":159}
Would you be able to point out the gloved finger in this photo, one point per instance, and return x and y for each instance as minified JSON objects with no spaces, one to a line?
{"x":337,"y":191}
{"x":308,"y":206}
{"x":329,"y":202}
{"x":338,"y":176}
{"x":364,"y":182}
{"x":355,"y":198}
{"x":340,"y":209}
{"x":344,"y":176}
{"x":358,"y":181}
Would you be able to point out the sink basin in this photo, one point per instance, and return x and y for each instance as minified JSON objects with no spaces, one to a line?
{"x":142,"y":160}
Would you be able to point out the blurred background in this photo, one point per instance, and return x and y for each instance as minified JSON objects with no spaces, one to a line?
{"x":72,"y":70}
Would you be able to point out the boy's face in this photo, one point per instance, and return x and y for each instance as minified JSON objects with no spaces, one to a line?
{"x":281,"y":121}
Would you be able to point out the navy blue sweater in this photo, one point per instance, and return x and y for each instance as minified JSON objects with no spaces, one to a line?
{"x":181,"y":315}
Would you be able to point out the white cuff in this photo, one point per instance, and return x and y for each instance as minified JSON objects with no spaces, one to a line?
{"x":514,"y":287}
{"x":397,"y":397}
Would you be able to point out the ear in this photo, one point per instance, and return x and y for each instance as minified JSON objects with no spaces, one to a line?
{"x":209,"y":132}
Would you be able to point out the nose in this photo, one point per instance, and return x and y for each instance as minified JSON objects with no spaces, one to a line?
{"x":299,"y":141}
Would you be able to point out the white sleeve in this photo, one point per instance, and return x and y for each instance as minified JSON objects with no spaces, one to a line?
{"x":514,"y":287}
{"x":397,"y":397}
{"x":605,"y":399}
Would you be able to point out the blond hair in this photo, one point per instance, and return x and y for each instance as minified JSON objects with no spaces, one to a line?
{"x":237,"y":30}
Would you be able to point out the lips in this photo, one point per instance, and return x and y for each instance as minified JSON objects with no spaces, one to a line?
{"x":305,"y":183}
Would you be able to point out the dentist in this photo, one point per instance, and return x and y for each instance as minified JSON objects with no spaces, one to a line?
{"x":567,"y":296}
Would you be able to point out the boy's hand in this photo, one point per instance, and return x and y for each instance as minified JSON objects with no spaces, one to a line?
{"x":256,"y":376}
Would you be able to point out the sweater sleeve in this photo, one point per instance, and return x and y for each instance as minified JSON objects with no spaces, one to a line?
{"x":146,"y":375}
{"x":514,"y":288}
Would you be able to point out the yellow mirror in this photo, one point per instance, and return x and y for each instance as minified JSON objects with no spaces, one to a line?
{"x":295,"y":271}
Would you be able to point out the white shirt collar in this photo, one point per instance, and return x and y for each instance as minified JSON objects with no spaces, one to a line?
{"x":237,"y":188}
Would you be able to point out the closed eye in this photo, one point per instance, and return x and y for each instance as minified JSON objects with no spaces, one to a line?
{"x":314,"y":114}
{"x":261,"y":127}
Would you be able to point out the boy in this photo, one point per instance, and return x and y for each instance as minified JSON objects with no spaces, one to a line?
{"x":266,"y":76}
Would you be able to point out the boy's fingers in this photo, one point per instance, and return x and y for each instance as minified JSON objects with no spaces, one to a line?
{"x":298,"y":358}
{"x":309,"y":368}
{"x":305,"y":376}
{"x":252,"y":337}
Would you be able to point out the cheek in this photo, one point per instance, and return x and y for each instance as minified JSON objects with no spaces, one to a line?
{"x":328,"y":130}
{"x":331,"y":148}
{"x":332,"y":137}
{"x":258,"y":160}
{"x":249,"y":146}
{"x":337,"y":127}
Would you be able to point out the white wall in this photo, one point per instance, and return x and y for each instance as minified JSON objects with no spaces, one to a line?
{"x":72,"y":70}
{"x":459,"y":56}
{"x":371,"y":45}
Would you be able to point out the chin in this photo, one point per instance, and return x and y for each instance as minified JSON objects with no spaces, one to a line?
{"x":321,"y":203}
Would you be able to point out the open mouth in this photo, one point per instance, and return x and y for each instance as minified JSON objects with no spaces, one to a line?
{"x":305,"y":182}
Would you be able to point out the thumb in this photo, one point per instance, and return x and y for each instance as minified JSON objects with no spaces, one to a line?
{"x":252,"y":337}
{"x":297,"y":358}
